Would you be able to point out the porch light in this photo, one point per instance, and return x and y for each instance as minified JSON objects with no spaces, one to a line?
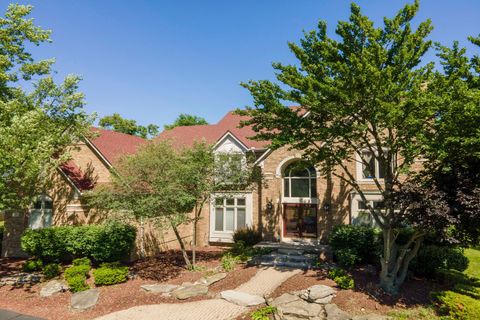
{"x":326,"y":207}
{"x":269,"y":205}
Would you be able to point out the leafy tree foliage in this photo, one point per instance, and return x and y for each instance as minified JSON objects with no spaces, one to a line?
{"x":186,"y":120}
{"x":117,"y":123}
{"x":368,"y":89}
{"x":170,"y":186}
{"x":36,"y":127}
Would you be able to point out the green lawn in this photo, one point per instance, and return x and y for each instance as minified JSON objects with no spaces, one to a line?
{"x":474,"y":266}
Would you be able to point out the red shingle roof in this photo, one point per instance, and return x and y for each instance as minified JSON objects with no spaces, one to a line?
{"x":112,"y":145}
{"x":76,"y":176}
{"x":186,"y":135}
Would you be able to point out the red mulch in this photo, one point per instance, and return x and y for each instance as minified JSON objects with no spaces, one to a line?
{"x":164,"y":268}
{"x":366,"y":297}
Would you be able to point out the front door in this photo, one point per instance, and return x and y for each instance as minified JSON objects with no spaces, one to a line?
{"x":300,"y":220}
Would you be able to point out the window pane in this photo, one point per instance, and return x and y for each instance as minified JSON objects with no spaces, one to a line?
{"x":300,"y":188}
{"x":37,"y":204}
{"x":240,"y":218}
{"x":48,"y":204}
{"x":230,"y":201}
{"x":362,"y":205}
{"x":378,"y":205}
{"x":240,"y":201}
{"x":368,"y":171}
{"x":313,"y":188}
{"x":381,"y":170}
{"x":47,"y":218}
{"x":286,"y":187}
{"x":218,"y":219}
{"x":35,"y":220}
{"x":229,"y":219}
{"x":219,"y":201}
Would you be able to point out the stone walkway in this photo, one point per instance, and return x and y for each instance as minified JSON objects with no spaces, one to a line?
{"x":263,"y":283}
{"x":10,"y":315}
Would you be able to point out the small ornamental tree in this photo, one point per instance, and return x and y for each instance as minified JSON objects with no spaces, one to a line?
{"x":36,"y":126}
{"x":364,"y":96}
{"x":171,"y":186}
{"x":115,"y":122}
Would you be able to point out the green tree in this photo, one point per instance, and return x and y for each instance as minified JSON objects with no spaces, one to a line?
{"x":36,"y":127}
{"x":169,"y":186}
{"x":117,"y":123}
{"x":186,"y":120}
{"x":365,"y":95}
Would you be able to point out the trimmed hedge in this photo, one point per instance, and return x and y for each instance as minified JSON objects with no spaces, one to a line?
{"x":52,"y":270}
{"x":248,"y":236}
{"x":76,"y":277}
{"x":431,"y":258}
{"x":111,"y":241}
{"x":353,"y":244}
{"x":341,"y":278}
{"x":32,"y":265}
{"x":109,"y":274}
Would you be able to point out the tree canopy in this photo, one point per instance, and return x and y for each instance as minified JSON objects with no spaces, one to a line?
{"x":186,"y":120}
{"x":369,"y":95}
{"x":117,"y":123}
{"x":36,"y":127}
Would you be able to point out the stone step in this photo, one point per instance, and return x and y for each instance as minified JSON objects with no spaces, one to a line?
{"x":286,"y":264}
{"x":292,"y":252}
{"x":291,"y":258}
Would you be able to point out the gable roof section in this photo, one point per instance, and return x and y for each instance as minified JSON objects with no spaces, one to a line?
{"x":212,"y":133}
{"x":79,"y":179}
{"x":113,"y":145}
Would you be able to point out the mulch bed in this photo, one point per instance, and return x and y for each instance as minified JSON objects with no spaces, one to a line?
{"x":167,"y":267}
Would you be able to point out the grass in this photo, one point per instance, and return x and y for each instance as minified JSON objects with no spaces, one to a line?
{"x":474,"y":266}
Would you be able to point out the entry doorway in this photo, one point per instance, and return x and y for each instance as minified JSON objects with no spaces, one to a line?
{"x":300,"y":220}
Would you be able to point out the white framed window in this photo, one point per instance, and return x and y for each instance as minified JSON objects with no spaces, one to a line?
{"x":299,"y":181}
{"x":369,"y":167}
{"x":41,"y":213}
{"x":229,"y":212}
{"x":360,"y":214}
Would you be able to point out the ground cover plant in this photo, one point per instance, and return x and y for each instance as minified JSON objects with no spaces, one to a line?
{"x":110,"y":273}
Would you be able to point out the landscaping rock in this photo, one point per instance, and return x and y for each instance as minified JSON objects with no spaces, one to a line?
{"x":242,"y":298}
{"x":159,"y":288}
{"x":21,"y":279}
{"x":325,"y":300}
{"x":85,"y":299}
{"x":335,"y":313}
{"x":212,"y":279}
{"x":52,"y":287}
{"x":285,"y":298}
{"x":301,"y":309}
{"x":319,"y":291}
{"x":186,"y":291}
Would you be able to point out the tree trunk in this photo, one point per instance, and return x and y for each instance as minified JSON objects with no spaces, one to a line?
{"x":194,"y":240}
{"x":182,"y":246}
{"x":395,"y":260}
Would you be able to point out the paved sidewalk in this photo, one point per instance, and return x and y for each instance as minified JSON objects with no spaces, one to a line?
{"x":10,"y":315}
{"x":263,"y":283}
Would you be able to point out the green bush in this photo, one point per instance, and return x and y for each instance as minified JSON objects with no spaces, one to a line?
{"x":248,"y":236}
{"x":82,"y":262}
{"x":111,"y":241}
{"x":77,"y":284}
{"x":458,"y":306}
{"x":32,"y":265}
{"x":263,"y":313}
{"x":353,"y":244}
{"x":229,"y":261}
{"x":341,"y":278}
{"x":81,"y":270}
{"x":52,"y":270}
{"x":108,"y":275}
{"x":76,"y":277}
{"x":431,"y":258}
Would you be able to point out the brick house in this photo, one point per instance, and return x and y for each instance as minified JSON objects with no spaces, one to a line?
{"x":291,"y":203}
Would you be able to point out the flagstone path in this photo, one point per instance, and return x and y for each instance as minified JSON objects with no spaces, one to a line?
{"x":262,"y":284}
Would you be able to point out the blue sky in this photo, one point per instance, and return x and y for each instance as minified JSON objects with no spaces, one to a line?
{"x":151,"y":60}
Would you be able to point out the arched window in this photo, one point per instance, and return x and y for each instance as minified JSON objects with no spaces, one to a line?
{"x":299,"y":181}
{"x":41,"y":213}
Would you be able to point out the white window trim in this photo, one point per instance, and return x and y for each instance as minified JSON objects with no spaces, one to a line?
{"x":355,"y":198}
{"x":359,"y":168}
{"x":306,"y":200}
{"x":227,"y":236}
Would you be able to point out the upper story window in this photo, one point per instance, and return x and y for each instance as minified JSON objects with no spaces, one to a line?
{"x":300,"y":181}
{"x":41,"y":213}
{"x":369,"y":167}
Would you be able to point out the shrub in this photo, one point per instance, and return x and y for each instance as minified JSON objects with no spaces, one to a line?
{"x":341,"y":278}
{"x":263,"y":313}
{"x":431,"y":258}
{"x":76,"y":277}
{"x":229,"y":261}
{"x":2,"y":230}
{"x":108,"y":275}
{"x":353,"y":244}
{"x":458,"y":306}
{"x":52,"y":270}
{"x":32,"y":265}
{"x":82,"y":262}
{"x":111,"y":241}
{"x":248,"y":236}
{"x":77,"y":284}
